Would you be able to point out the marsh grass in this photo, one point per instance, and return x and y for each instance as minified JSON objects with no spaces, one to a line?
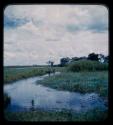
{"x":87,"y":65}
{"x":12,"y":73}
{"x":65,"y":115}
{"x":79,"y":82}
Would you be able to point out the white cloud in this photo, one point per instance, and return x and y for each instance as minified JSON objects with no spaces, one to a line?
{"x":46,"y":35}
{"x":58,"y":14}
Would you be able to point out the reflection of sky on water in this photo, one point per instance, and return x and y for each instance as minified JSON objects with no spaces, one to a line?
{"x":23,"y":91}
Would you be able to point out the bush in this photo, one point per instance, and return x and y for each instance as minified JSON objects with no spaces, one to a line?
{"x":87,"y":65}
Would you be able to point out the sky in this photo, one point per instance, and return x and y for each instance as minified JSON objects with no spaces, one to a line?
{"x":35,"y":34}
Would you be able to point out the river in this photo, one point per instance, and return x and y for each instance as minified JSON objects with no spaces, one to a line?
{"x":22,"y":93}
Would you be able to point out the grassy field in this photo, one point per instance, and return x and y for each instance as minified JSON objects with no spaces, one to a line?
{"x":79,"y":82}
{"x":92,"y":115}
{"x":12,"y":73}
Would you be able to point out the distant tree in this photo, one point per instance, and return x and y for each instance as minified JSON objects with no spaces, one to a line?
{"x":50,"y":68}
{"x":101,"y":58}
{"x":107,"y":59}
{"x":78,"y":58}
{"x":50,"y":63}
{"x":75,"y":58}
{"x":93,"y":56}
{"x":64,"y":61}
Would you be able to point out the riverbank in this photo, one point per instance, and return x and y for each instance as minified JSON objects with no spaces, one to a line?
{"x":83,"y":82}
{"x":92,"y":115}
{"x":12,"y":74}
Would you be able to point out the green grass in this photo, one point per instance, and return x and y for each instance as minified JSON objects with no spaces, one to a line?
{"x":12,"y":73}
{"x":87,"y":65}
{"x":79,"y":82}
{"x":92,"y":115}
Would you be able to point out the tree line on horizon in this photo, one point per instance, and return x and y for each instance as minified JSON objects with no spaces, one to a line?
{"x":66,"y":60}
{"x":92,"y":56}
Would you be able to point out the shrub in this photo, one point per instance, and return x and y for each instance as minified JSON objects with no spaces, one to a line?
{"x":87,"y":65}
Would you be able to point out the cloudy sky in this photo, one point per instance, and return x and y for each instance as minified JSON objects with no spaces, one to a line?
{"x":34,"y":34}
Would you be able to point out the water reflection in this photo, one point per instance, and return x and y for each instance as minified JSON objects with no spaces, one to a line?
{"x":25,"y":95}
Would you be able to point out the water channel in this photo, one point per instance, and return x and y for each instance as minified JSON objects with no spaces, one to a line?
{"x":26,"y":94}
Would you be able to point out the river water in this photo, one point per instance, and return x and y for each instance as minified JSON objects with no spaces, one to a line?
{"x":22,"y":93}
